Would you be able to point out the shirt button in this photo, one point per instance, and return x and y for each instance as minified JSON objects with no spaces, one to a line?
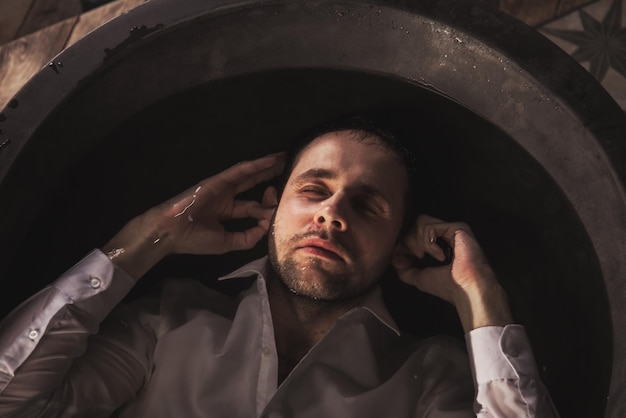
{"x":266,"y":351}
{"x":33,"y":334}
{"x":94,"y":282}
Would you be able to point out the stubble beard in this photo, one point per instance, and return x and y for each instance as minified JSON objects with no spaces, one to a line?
{"x":329,"y":287}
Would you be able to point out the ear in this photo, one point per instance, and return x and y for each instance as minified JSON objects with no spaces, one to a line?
{"x":401,"y":257}
{"x":270,"y":197}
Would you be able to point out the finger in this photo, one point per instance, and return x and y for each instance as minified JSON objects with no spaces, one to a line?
{"x":250,"y":209}
{"x":264,"y":224}
{"x":430,"y":244}
{"x":447,"y":230}
{"x":247,"y":174}
{"x":243,"y":240}
{"x":270,"y":197}
{"x":423,"y":241}
{"x":425,"y":233}
{"x":408,"y":275}
{"x":431,"y":280}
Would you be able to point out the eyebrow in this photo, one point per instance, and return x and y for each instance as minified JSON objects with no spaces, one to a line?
{"x":315,"y":173}
{"x":322,"y":173}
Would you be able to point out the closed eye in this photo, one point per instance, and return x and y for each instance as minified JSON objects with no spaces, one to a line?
{"x":314,"y":192}
{"x":367,"y":207}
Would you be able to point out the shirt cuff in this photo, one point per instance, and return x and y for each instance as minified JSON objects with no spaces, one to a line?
{"x":500,"y":353}
{"x":94,"y":274}
{"x":95,"y":285}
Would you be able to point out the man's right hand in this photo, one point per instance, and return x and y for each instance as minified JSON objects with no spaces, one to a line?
{"x":191,"y":222}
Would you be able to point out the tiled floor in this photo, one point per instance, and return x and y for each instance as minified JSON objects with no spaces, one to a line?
{"x":596,"y":36}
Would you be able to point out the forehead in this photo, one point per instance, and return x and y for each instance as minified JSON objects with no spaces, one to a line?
{"x":350,"y":157}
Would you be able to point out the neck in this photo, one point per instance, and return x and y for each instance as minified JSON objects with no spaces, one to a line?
{"x":300,"y":322}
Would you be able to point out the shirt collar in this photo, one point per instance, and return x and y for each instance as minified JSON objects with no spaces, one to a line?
{"x":258,"y":266}
{"x":373,"y":302}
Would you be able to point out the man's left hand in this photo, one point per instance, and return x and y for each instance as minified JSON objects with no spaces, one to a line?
{"x":468,"y":281}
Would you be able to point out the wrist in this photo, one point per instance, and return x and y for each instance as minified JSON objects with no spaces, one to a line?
{"x":481,"y":306}
{"x":138,"y":247}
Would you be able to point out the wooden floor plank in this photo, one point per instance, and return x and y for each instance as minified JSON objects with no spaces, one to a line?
{"x":46,"y":12}
{"x":24,"y":57}
{"x":12,"y":13}
{"x":531,"y":12}
{"x":95,"y":18}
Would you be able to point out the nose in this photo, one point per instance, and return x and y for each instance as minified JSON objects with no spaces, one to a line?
{"x":330,"y":215}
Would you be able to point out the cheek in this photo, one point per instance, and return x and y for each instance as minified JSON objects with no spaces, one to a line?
{"x":290,"y":214}
{"x":285,"y":223}
{"x":381,"y":239}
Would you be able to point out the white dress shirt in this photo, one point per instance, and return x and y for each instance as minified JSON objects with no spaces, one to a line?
{"x":74,"y":350}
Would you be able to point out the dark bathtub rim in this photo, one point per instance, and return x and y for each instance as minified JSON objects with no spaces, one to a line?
{"x":589,"y":114}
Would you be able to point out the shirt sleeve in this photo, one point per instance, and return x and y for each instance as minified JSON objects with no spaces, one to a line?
{"x":505,"y":374}
{"x":46,"y":362}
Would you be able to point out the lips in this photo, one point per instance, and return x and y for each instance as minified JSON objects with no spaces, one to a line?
{"x":321,"y":248}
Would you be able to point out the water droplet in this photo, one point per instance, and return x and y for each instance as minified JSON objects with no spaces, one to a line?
{"x":54,"y":67}
{"x":136,"y":33}
{"x":4,"y":143}
{"x":115,"y":252}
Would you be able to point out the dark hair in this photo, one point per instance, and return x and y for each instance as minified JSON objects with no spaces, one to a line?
{"x":371,"y":128}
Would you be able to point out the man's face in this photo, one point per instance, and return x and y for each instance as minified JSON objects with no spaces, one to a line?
{"x":339,"y":217}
